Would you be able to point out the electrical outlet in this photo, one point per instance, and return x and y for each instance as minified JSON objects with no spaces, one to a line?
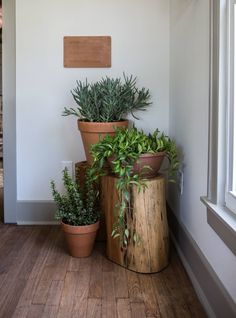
{"x":180,"y":177}
{"x":69,"y":166}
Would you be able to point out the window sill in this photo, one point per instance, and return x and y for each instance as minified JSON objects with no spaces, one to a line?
{"x":223,"y":222}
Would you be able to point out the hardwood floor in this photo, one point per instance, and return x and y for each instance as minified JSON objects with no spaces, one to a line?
{"x":39,"y":279}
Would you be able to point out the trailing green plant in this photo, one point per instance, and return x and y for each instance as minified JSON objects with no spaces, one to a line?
{"x":78,"y":205}
{"x":108,"y":100}
{"x":125,"y":149}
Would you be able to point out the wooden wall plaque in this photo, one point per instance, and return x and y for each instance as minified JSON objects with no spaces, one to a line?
{"x":87,"y":51}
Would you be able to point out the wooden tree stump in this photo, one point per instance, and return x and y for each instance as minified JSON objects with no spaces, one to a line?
{"x":147,"y":217}
{"x":80,"y":175}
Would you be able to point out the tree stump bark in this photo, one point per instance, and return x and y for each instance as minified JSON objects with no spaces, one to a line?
{"x":80,"y":175}
{"x":147,"y":217}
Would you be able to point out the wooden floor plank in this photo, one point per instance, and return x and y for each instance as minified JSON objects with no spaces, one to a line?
{"x":107,"y":265}
{"x":35,"y":275}
{"x":39,"y":279}
{"x":74,"y":264}
{"x":85,"y":264}
{"x":138,"y":310}
{"x":187,"y":291}
{"x":42,"y":290}
{"x":163,"y":298}
{"x":109,"y":308}
{"x":123,"y":308}
{"x":108,"y":297}
{"x":59,"y":258}
{"x":121,"y":284}
{"x":21,"y":312}
{"x":46,"y":250}
{"x":19,"y":274}
{"x":11,"y":252}
{"x":5,"y":233}
{"x":68,"y":295}
{"x":95,"y":285}
{"x":82,"y":293}
{"x":94,"y":308}
{"x":55,"y":292}
{"x":55,"y":268}
{"x":148,"y":296}
{"x":50,"y":311}
{"x":8,"y":240}
{"x":135,"y":293}
{"x":35,"y":311}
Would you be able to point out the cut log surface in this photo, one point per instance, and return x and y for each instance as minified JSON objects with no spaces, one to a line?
{"x":146,"y":217}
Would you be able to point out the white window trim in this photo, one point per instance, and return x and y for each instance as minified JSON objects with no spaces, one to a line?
{"x":230,"y":199}
{"x":224,"y":219}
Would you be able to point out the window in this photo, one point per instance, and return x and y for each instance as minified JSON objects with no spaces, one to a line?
{"x":221,"y":196}
{"x":230,"y":194}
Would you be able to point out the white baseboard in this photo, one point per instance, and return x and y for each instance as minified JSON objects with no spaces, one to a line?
{"x":38,"y":223}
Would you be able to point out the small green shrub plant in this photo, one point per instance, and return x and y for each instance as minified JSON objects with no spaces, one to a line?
{"x":78,"y":206}
{"x":108,"y":100}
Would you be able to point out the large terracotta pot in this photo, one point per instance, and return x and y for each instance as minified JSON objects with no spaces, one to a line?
{"x":80,"y":239}
{"x":151,"y":160}
{"x":92,"y":132}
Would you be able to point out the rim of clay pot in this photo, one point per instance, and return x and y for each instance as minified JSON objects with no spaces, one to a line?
{"x":150,"y":154}
{"x":139,"y":163}
{"x":101,"y":126}
{"x":144,"y":155}
{"x":82,"y":229}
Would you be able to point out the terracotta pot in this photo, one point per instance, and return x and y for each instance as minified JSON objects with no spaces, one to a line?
{"x":80,"y":239}
{"x":152,"y":160}
{"x":92,"y":132}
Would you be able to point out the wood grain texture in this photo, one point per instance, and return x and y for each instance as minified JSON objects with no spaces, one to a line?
{"x":148,"y":297}
{"x":108,"y":297}
{"x":87,"y":51}
{"x":94,"y":309}
{"x":22,"y":260}
{"x":138,"y":310}
{"x":82,"y":293}
{"x":135,"y":292}
{"x":95,"y":284}
{"x":146,"y":216}
{"x":94,"y":287}
{"x":123,"y":308}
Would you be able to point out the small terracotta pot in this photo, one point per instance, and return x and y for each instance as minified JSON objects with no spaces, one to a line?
{"x":93,"y":132}
{"x":151,"y":160}
{"x":80,"y":239}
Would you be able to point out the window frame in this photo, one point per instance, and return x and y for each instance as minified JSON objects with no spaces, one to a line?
{"x":219,"y":217}
{"x":230,"y":198}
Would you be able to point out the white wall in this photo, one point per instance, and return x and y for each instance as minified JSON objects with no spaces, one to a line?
{"x":189,"y":100}
{"x":140,"y":46}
